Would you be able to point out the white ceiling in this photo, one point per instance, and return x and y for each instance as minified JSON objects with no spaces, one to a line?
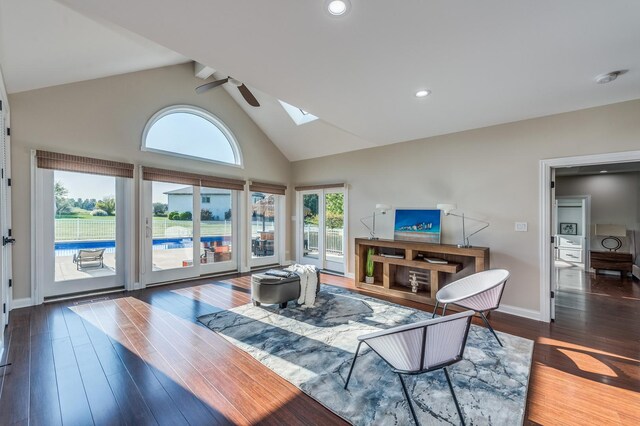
{"x":43,"y":43}
{"x":315,"y":139}
{"x":486,"y":62}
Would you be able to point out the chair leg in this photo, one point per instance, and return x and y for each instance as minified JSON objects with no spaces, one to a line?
{"x":283,"y":305}
{"x":446,"y":374}
{"x":406,"y":395}
{"x":435,"y":309}
{"x":444,"y":308}
{"x":486,"y":321}
{"x":353,"y":363}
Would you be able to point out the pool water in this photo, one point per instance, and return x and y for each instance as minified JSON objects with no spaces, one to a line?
{"x":69,"y":248}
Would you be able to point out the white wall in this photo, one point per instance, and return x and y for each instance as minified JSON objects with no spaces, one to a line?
{"x":615,"y":199}
{"x":105,"y":118}
{"x":491,"y":173}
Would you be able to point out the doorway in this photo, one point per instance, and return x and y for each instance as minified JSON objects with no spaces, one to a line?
{"x":189,"y":231}
{"x":321,"y":231}
{"x":5,"y":218}
{"x":81,"y":227}
{"x":595,"y":165}
{"x":264,"y":228}
{"x":572,"y":239}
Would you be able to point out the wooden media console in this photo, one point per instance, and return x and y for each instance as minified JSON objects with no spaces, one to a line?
{"x":391,"y":274}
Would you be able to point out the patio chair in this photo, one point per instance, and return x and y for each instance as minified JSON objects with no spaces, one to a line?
{"x":480,"y":292}
{"x":421,"y":347}
{"x":89,"y":257}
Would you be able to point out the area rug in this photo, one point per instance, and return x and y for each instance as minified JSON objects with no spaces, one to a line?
{"x":312,"y":348}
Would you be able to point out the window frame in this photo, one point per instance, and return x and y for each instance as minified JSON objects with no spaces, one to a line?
{"x":202,"y":113}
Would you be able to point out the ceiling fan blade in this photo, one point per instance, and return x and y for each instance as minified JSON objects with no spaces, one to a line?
{"x":209,"y":86}
{"x":248,"y":96}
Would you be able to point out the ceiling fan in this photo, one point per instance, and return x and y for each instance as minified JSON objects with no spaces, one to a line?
{"x":244,"y":90}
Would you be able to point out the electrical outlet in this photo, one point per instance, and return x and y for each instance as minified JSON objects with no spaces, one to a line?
{"x":521,"y":226}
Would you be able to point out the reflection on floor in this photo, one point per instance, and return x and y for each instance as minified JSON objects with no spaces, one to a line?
{"x":140,"y":358}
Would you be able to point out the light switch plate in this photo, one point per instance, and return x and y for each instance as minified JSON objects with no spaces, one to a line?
{"x":521,"y":226}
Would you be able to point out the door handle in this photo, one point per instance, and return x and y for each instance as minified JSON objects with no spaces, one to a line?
{"x":7,"y":240}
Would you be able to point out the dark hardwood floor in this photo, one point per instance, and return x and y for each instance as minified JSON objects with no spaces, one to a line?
{"x":141,"y":358}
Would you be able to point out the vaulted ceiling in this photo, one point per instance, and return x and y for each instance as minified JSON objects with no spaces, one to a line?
{"x":44,"y":43}
{"x":486,"y":63}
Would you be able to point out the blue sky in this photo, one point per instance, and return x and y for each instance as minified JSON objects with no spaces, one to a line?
{"x":82,"y":185}
{"x":190,"y":134}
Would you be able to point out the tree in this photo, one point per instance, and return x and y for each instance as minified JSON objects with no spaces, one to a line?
{"x":108,"y":204}
{"x":160,"y":209}
{"x":335,"y":210}
{"x":205,"y":214}
{"x":227,"y":215}
{"x":88,"y":204}
{"x":63,"y":204}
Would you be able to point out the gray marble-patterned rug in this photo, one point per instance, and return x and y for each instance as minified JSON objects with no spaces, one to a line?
{"x":313,"y":348}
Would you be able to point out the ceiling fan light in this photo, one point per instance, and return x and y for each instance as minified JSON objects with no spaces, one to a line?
{"x":609,"y":77}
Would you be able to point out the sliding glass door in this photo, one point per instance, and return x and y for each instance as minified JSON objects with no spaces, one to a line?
{"x":218,"y":208}
{"x":181,"y":244}
{"x":264,"y":228}
{"x":311,"y":222}
{"x":322,"y":232}
{"x":83,"y":233}
{"x":334,"y":230}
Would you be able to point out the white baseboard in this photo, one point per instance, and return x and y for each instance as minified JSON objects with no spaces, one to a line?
{"x":521,"y":312}
{"x":350,"y":275}
{"x":21,"y":303}
{"x":636,"y":271}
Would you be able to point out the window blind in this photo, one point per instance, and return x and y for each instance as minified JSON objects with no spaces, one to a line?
{"x":186,"y":178}
{"x":321,"y":186}
{"x":269,"y":188}
{"x":75,"y":163}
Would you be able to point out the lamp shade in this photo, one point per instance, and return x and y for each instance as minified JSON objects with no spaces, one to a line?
{"x":383,"y":207}
{"x":446,"y":208}
{"x":611,"y":230}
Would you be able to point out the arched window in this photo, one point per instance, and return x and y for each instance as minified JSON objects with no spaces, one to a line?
{"x":191,"y":132}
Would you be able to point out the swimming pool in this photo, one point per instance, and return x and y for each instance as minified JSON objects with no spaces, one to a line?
{"x":69,"y":248}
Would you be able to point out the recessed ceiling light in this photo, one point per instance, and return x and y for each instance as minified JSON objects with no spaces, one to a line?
{"x":423,"y":93}
{"x":603,"y":171}
{"x":338,"y":7}
{"x":609,"y":77}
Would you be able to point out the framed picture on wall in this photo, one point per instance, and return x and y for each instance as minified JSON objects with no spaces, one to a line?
{"x":568,"y":228}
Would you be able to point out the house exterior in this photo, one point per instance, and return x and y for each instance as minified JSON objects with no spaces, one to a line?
{"x":217,"y":201}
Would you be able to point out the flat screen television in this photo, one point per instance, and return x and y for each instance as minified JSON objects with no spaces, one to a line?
{"x":417,"y":225}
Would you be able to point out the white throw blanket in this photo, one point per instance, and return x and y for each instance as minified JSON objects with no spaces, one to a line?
{"x":308,"y":283}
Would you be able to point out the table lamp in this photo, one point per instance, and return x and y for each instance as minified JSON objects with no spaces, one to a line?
{"x":380,"y":209}
{"x":447,"y":210}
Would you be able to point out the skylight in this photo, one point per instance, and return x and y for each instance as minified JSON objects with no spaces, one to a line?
{"x":298,"y":115}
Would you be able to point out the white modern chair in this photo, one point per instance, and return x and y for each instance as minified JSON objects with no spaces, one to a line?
{"x":419,"y":348}
{"x":480,"y":292}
